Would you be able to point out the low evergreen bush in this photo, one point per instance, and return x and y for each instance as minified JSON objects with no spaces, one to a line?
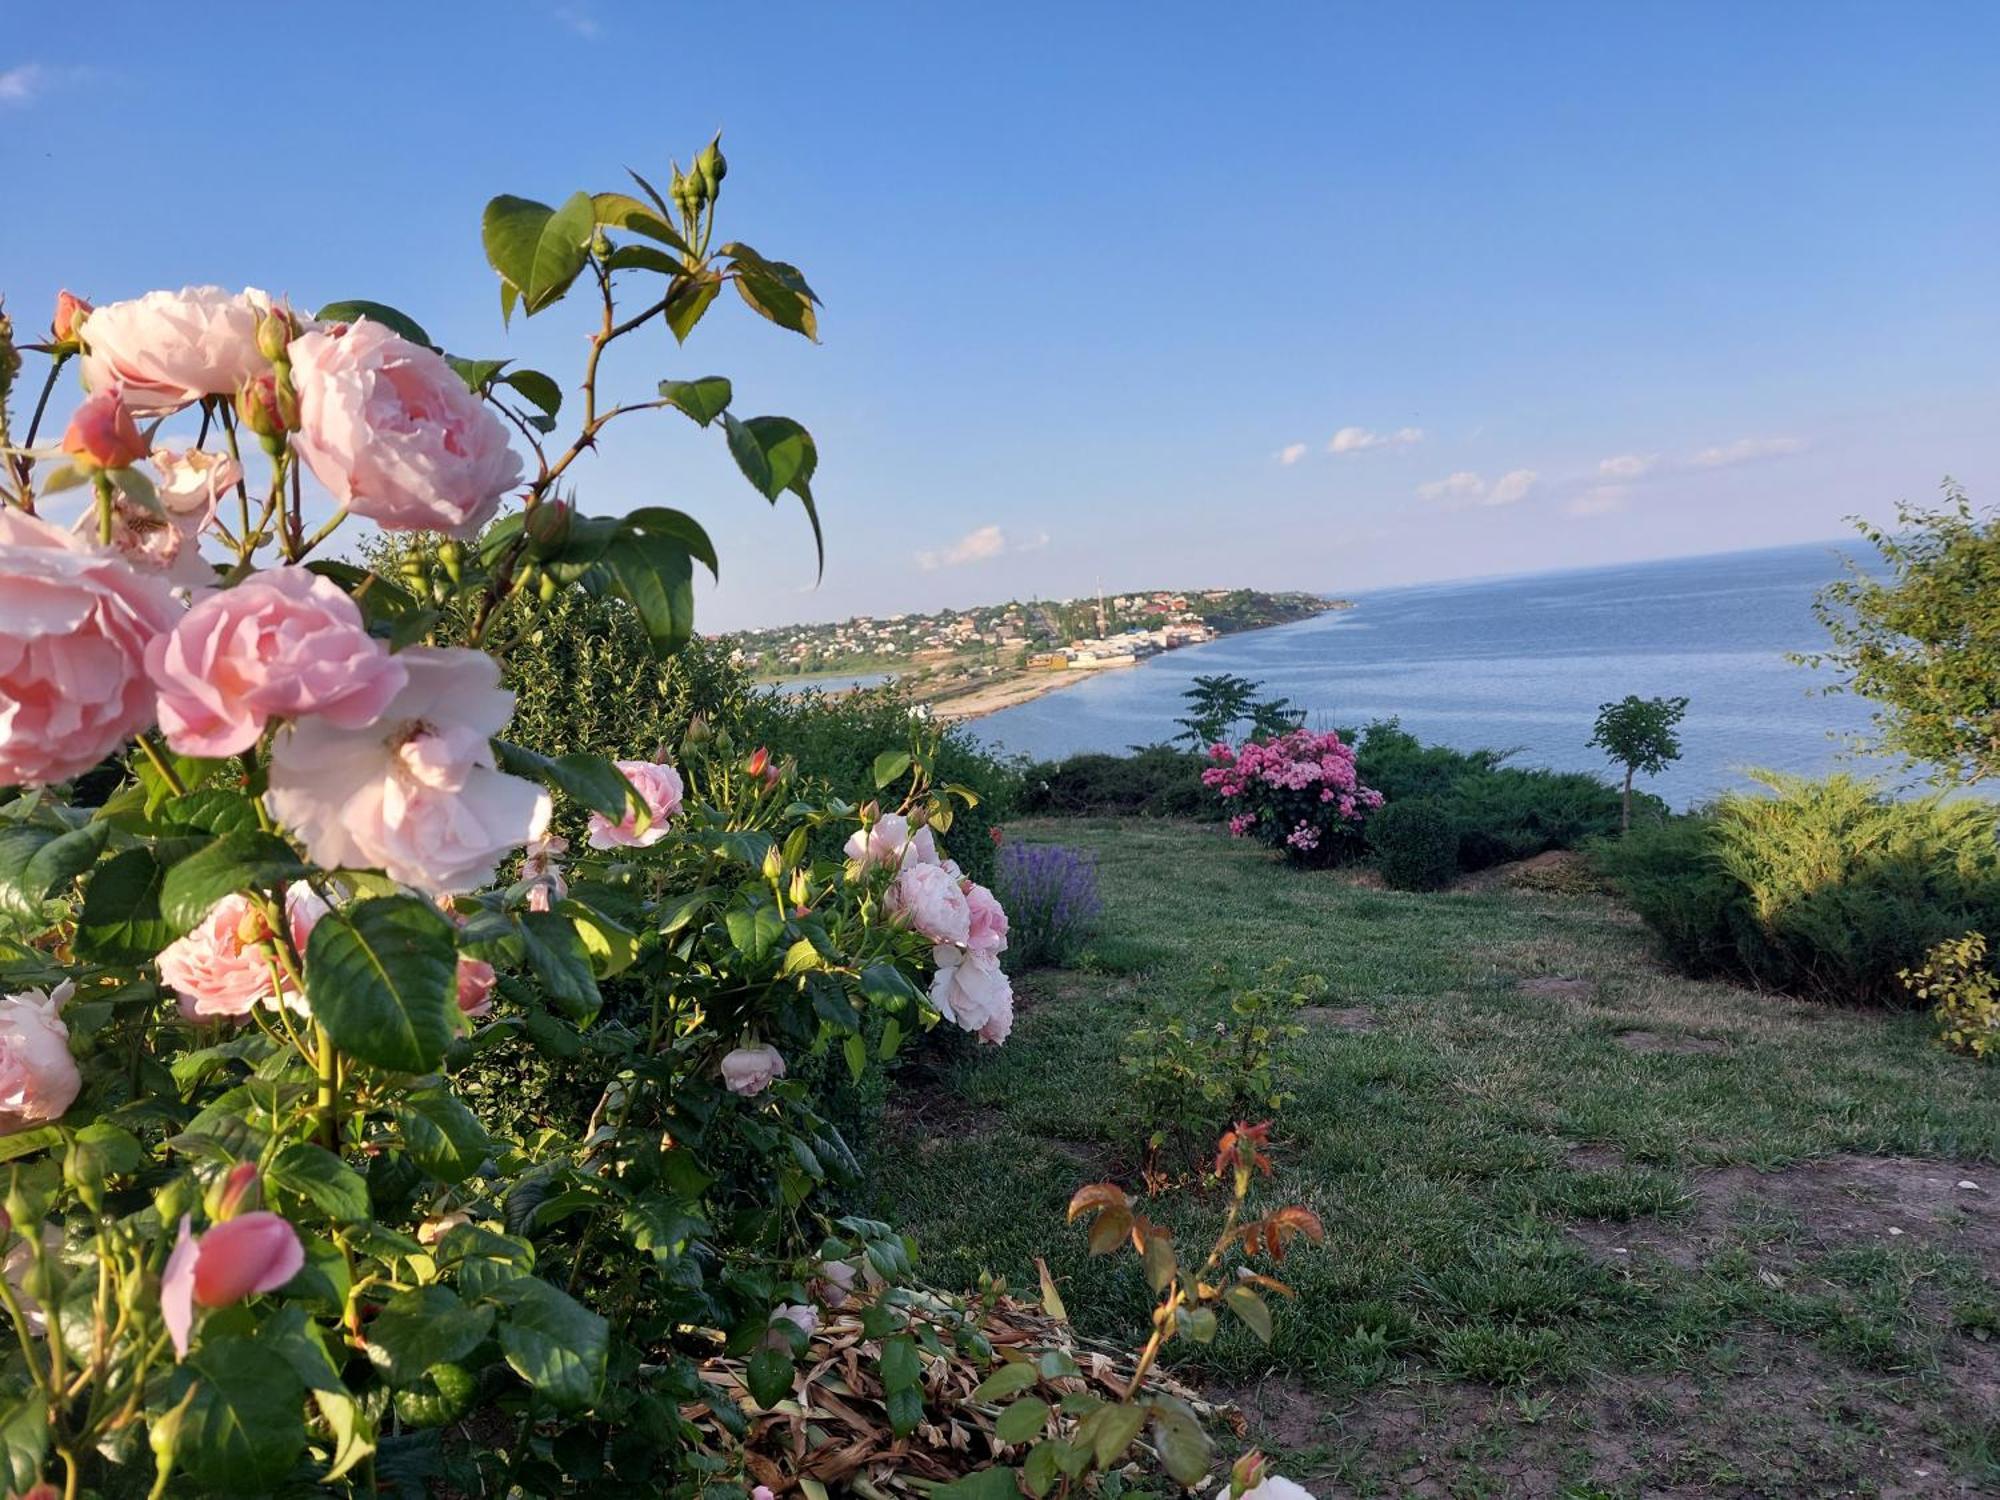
{"x":1415,"y":843}
{"x":1154,"y":781}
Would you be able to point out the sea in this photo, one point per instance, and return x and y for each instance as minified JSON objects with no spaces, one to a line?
{"x":1522,"y":664}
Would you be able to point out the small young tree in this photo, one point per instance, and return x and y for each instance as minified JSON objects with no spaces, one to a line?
{"x":1218,"y":703}
{"x":1639,"y":734}
{"x":1924,"y":643}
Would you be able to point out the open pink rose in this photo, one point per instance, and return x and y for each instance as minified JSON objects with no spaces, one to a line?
{"x":38,"y":1077}
{"x":166,"y":349}
{"x":988,"y":925}
{"x":970,"y":991}
{"x":475,"y":985}
{"x":750,"y":1070}
{"x":224,"y":968}
{"x":391,"y":430}
{"x":101,"y":433}
{"x":889,"y":843}
{"x":282,"y":643}
{"x":415,"y":794}
{"x":799,"y":1315}
{"x":930,"y":900}
{"x":660,"y":785}
{"x":74,"y":624}
{"x":191,"y":482}
{"x":247,"y":1256}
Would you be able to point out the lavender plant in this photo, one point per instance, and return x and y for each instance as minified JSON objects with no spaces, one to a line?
{"x":1050,"y":893}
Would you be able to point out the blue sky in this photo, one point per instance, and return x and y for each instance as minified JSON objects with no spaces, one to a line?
{"x":1106,"y":284}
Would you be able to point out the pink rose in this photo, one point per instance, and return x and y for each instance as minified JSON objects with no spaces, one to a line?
{"x":101,"y":433}
{"x":989,"y":919}
{"x":800,"y":1316}
{"x":74,"y":624}
{"x":475,"y":985}
{"x":659,"y":785}
{"x":38,"y":1077}
{"x":750,"y":1070}
{"x":541,"y":871}
{"x":1276,"y":1487}
{"x":837,"y":1282}
{"x":282,"y":643}
{"x":391,"y":430}
{"x":931,"y":900}
{"x":166,"y":349}
{"x":191,"y":482}
{"x":970,"y":991}
{"x":888,"y":843}
{"x":70,"y":311}
{"x":225,"y":965}
{"x":247,"y":1256}
{"x":416,"y":793}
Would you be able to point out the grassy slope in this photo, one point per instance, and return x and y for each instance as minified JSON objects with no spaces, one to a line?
{"x":1454,"y":1322}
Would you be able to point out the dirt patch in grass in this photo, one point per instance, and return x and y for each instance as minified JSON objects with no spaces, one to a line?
{"x":1553,"y":872}
{"x":926,"y":1112}
{"x":1839,"y":1203}
{"x":1555,"y":987}
{"x":1340,"y":1017}
{"x":1675,"y":1046}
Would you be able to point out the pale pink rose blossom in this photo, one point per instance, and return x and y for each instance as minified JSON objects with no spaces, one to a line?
{"x":1277,"y":1487}
{"x":20,"y":1261}
{"x":800,"y":1316}
{"x":74,"y":625}
{"x":475,"y":985}
{"x":542,"y":873}
{"x":971,"y":992}
{"x":989,"y":919}
{"x":38,"y":1077}
{"x":192,"y":482}
{"x":416,"y":794}
{"x":166,"y":349}
{"x":889,"y":843}
{"x":156,"y":545}
{"x":757,"y":1492}
{"x":659,"y":785}
{"x":391,"y":430}
{"x":280,"y":644}
{"x":750,"y":1070}
{"x":244,"y":1257}
{"x":223,"y":968}
{"x":836,"y":1282}
{"x":932,"y":903}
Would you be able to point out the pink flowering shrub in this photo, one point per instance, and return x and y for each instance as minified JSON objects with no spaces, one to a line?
{"x":1298,"y":792}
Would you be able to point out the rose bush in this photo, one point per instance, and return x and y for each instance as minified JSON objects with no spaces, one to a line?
{"x":1298,"y":792}
{"x":277,"y":895}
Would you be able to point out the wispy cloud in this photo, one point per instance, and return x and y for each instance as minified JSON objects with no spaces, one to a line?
{"x":579,"y":19}
{"x":1467,"y":488}
{"x":1361,"y":439}
{"x":1599,"y":500}
{"x":1745,"y":450}
{"x":1291,"y":453}
{"x":22,"y":83}
{"x":976,"y":546}
{"x":1626,"y":465}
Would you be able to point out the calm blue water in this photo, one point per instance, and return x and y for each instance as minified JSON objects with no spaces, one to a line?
{"x":1522,"y":663}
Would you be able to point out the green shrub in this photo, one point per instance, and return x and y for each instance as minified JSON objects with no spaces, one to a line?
{"x":1959,"y":984}
{"x":1155,"y":781}
{"x":1415,"y":843}
{"x":1827,"y":889}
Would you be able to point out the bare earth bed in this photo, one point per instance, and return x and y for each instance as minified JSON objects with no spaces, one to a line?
{"x":1594,"y":1230}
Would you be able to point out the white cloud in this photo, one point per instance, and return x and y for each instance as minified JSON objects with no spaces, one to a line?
{"x":1745,"y":451}
{"x":1464,"y":485}
{"x":1468,"y":488}
{"x":1626,"y":465}
{"x":1361,"y":439}
{"x":1291,"y":453}
{"x":974,"y":546}
{"x":1600,"y":501}
{"x":22,"y":83}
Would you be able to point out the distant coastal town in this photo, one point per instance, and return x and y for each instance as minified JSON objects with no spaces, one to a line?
{"x":967,"y":662}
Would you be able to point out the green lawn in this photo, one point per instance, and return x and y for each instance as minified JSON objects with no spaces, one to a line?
{"x":1620,"y":1235}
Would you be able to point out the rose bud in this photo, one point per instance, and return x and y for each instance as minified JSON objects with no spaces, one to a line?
{"x":69,"y":313}
{"x":275,"y":332}
{"x":548,"y":526}
{"x":759,"y":759}
{"x":245,"y":1257}
{"x":268,"y":406}
{"x":238,"y":1193}
{"x":102,"y":435}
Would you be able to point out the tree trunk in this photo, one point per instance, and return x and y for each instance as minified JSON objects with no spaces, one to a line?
{"x":1625,"y":821}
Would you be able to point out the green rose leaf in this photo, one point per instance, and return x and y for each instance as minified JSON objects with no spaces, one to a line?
{"x":245,"y":1427}
{"x":1008,"y":1380}
{"x":756,"y":927}
{"x":891,"y":765}
{"x":312,"y":1174}
{"x":591,"y":780}
{"x":443,"y":1136}
{"x":777,"y":454}
{"x":24,"y":1442}
{"x":1252,"y":1309}
{"x":772,"y":299}
{"x":34,"y":861}
{"x":902,"y":1367}
{"x":1183,"y":1446}
{"x":1109,"y":1431}
{"x":121,"y":921}
{"x":702,"y":399}
{"x":422,"y":1327}
{"x":688,"y":299}
{"x":235,"y":862}
{"x":769,"y":1375}
{"x":623,"y":211}
{"x":354,"y":309}
{"x":553,"y":1342}
{"x":649,"y":561}
{"x":555,"y":951}
{"x":536,"y":388}
{"x":538,"y":250}
{"x":382,"y":978}
{"x":1023,"y":1420}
